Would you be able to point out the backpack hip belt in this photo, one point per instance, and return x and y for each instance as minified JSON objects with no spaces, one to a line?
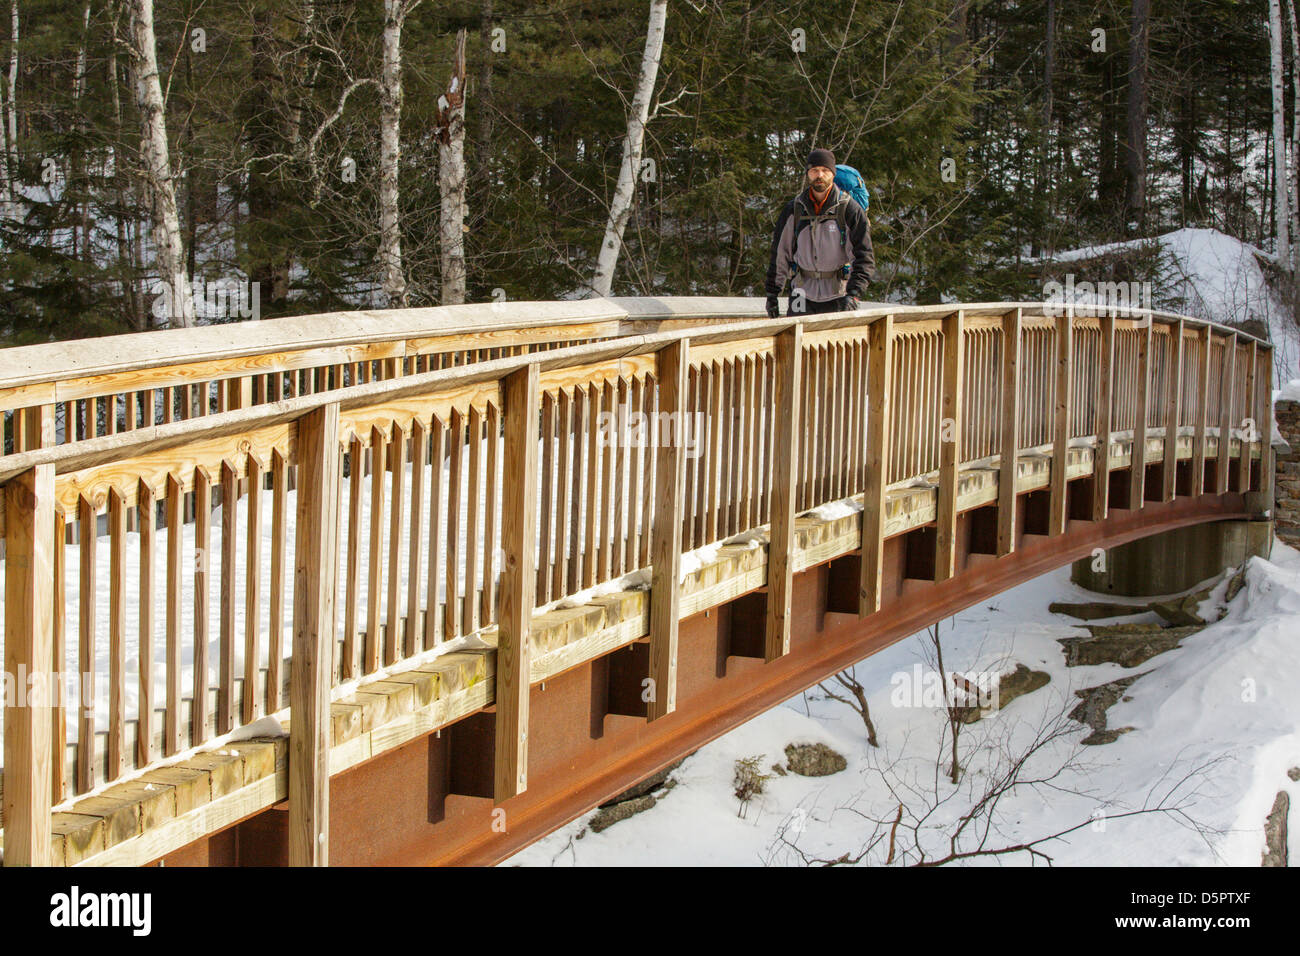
{"x":810,"y":274}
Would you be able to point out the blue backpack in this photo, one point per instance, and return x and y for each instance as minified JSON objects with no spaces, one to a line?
{"x":851,"y":181}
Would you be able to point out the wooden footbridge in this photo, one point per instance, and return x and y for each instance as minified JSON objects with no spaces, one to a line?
{"x":479,"y":594}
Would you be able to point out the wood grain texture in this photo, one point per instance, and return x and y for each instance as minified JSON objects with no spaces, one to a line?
{"x":1009,"y":447}
{"x":522,"y":399}
{"x":1203,"y":413}
{"x":28,"y":649}
{"x":1105,"y":419}
{"x":1064,"y":414}
{"x":315,"y":562}
{"x":1173,"y":411}
{"x":1226,"y":386}
{"x":785,"y":453}
{"x":1138,"y":468}
{"x":880,"y":387}
{"x":670,"y":473}
{"x":950,"y":424}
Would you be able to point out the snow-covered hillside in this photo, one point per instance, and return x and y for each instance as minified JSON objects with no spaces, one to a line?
{"x":1215,"y":728}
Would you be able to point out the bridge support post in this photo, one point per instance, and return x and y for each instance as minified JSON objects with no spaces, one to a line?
{"x":950,"y":425}
{"x":522,"y":406}
{"x":1173,"y":410}
{"x":313,"y":636}
{"x":1105,"y":419}
{"x":1138,"y":460}
{"x":671,"y":365}
{"x":29,"y":642}
{"x":786,"y":393}
{"x":1010,"y":432}
{"x":1249,"y":407}
{"x":880,"y":382}
{"x":1202,"y":417}
{"x":1061,"y":430}
{"x":1225,"y":413}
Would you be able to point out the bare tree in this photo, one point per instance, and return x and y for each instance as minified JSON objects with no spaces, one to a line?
{"x":620,"y":209}
{"x":922,"y":823}
{"x":159,"y":183}
{"x":1281,"y":210}
{"x":9,"y":161}
{"x":1135,"y":147}
{"x":390,"y":151}
{"x":849,"y":682}
{"x":451,"y":180}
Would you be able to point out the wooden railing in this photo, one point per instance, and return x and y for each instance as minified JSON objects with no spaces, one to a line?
{"x":363,"y":522}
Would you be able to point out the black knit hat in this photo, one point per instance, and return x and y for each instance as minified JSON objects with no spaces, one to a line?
{"x":821,"y":157}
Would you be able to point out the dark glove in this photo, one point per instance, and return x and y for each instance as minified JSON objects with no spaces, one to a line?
{"x":849,"y":303}
{"x":773,"y":307}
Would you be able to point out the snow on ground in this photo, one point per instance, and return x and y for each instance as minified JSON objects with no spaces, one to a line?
{"x":1216,"y":725}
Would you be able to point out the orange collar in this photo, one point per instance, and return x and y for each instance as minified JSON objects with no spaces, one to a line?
{"x":817,"y":206}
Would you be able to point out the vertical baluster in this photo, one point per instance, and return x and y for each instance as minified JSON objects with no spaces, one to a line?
{"x":688,"y":495}
{"x":116,"y":634}
{"x":415,"y":544}
{"x":589,"y":574}
{"x":351,"y":615}
{"x":252,"y":591}
{"x":637,"y":452}
{"x":563,"y":494}
{"x":648,"y":485}
{"x":456,"y":442}
{"x":581,"y":491}
{"x":437,"y":454}
{"x":175,"y":563}
{"x":1137,"y":471}
{"x":716,"y":388}
{"x":202,"y":542}
{"x":279,"y":541}
{"x":86,"y":660}
{"x":606,"y":489}
{"x":374,"y":576}
{"x":473,"y":488}
{"x":1173,"y":409}
{"x":491,"y":506}
{"x":58,"y":748}
{"x":547,"y":467}
{"x":229,"y":542}
{"x":396,"y":514}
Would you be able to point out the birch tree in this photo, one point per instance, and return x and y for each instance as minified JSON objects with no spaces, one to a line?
{"x":390,"y":152}
{"x":451,"y":181}
{"x":1293,"y":182}
{"x":1281,"y":212}
{"x":620,"y":209}
{"x":9,"y":161}
{"x":169,"y":255}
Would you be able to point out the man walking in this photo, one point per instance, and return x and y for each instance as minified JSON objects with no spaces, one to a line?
{"x":818,"y":233}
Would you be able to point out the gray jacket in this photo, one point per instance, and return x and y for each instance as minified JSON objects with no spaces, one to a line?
{"x":819,"y":249}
